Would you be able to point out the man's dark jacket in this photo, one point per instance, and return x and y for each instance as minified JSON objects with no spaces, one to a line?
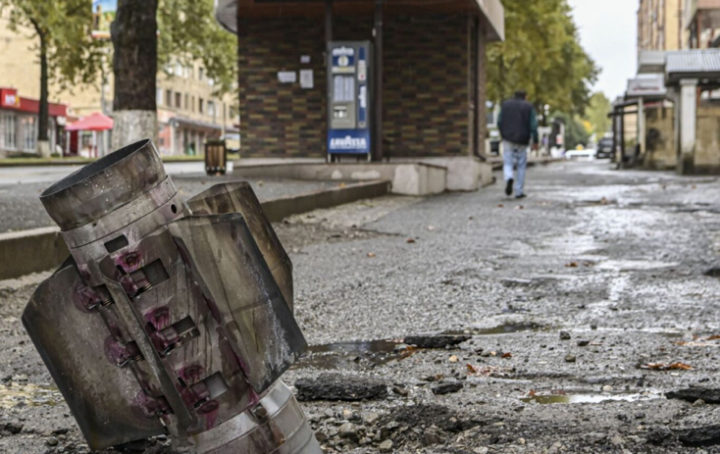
{"x":517,"y":121}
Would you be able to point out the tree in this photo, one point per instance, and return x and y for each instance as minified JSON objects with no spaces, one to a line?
{"x":164,"y":31}
{"x":542,"y":55}
{"x":596,"y":113}
{"x":66,"y":52}
{"x":134,"y":39}
{"x":575,"y":133}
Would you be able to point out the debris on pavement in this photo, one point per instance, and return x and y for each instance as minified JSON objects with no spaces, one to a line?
{"x":336,"y":387}
{"x":707,"y":395}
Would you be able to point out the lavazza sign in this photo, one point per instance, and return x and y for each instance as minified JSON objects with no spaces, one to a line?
{"x":348,"y":143}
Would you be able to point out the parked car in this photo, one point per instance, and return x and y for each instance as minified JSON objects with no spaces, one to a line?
{"x":605,"y":148}
{"x":580,"y":152}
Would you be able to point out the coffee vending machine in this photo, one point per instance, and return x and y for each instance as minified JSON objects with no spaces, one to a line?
{"x":349,"y":99}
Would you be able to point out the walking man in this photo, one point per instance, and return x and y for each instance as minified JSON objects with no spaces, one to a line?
{"x":517,"y":124}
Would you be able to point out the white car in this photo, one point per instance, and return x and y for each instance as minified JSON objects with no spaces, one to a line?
{"x":586,"y":154}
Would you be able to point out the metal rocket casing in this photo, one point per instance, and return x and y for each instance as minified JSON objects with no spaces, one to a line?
{"x":167,"y":318}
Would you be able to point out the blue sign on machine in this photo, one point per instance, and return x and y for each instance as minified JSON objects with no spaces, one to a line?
{"x":348,"y":98}
{"x":349,"y":141}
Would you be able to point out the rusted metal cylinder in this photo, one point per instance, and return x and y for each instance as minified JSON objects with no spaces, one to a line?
{"x":169,"y":320}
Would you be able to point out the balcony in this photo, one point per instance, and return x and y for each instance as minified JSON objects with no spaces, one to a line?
{"x":705,"y":13}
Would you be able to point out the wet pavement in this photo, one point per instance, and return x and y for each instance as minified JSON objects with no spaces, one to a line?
{"x":581,"y":306}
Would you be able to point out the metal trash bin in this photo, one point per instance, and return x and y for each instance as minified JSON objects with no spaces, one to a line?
{"x":215,"y":157}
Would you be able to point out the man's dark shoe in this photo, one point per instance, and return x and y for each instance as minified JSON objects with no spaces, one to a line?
{"x":509,"y":187}
{"x":520,"y":196}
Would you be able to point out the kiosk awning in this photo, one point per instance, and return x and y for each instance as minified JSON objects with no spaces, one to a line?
{"x":226,"y":11}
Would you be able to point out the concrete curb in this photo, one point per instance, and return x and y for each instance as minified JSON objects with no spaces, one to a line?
{"x":277,"y":209}
{"x":31,"y":251}
{"x":8,"y":162}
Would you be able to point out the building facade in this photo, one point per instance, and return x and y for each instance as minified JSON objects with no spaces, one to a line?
{"x":19,"y":123}
{"x":188,"y":111}
{"x":660,"y":25}
{"x":701,"y":21}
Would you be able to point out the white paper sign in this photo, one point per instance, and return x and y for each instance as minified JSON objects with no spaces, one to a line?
{"x":287,"y":77}
{"x":307,"y":80}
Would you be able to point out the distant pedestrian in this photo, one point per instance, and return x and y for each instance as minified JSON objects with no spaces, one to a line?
{"x":518,"y":125}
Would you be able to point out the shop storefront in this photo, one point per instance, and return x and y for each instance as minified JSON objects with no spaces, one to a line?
{"x":19,"y":123}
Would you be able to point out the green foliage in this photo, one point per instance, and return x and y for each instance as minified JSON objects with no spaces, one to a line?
{"x":575,"y":132}
{"x":542,"y":55}
{"x":73,"y":57}
{"x":596,"y":114}
{"x":189,"y":32}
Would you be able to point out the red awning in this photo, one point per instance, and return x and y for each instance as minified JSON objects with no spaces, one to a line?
{"x":93,"y":122}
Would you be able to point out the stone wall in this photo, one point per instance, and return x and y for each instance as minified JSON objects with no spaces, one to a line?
{"x":660,"y":141}
{"x":425,"y":109}
{"x":707,"y":141}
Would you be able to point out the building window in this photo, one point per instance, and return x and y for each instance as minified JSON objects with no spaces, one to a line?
{"x":187,"y":103}
{"x":28,"y":126}
{"x":178,"y":100}
{"x":201,"y":73}
{"x":192,"y":101}
{"x":211,"y":108}
{"x":201,"y":105}
{"x":7,"y":131}
{"x":168,"y":98}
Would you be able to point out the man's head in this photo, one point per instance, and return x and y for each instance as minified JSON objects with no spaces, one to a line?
{"x":521,"y":94}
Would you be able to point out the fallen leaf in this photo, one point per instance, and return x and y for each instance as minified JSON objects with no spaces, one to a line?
{"x":507,"y":355}
{"x":520,"y":207}
{"x":604,"y":201}
{"x":713,"y":337}
{"x":453,"y":359}
{"x":500,"y":205}
{"x":665,"y":366}
{"x":532,"y":393}
{"x":571,"y":265}
{"x":489,"y":371}
{"x":410,"y":240}
{"x":371,"y":254}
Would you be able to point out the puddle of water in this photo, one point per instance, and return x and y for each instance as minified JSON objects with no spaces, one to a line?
{"x":373,"y":353}
{"x":29,"y":394}
{"x":588,"y":398}
{"x":340,"y":354}
{"x":635,"y":265}
{"x":505,"y":328}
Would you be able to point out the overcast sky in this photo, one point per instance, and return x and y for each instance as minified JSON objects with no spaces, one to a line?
{"x":608,"y":31}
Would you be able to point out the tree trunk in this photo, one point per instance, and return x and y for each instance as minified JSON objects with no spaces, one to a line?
{"x":42,"y":146}
{"x":134,"y":38}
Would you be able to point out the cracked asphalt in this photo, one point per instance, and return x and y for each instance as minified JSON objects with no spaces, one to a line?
{"x":583,"y":305}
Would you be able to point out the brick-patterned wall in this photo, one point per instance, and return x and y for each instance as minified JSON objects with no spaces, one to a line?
{"x":278,"y":119}
{"x":425,"y":85}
